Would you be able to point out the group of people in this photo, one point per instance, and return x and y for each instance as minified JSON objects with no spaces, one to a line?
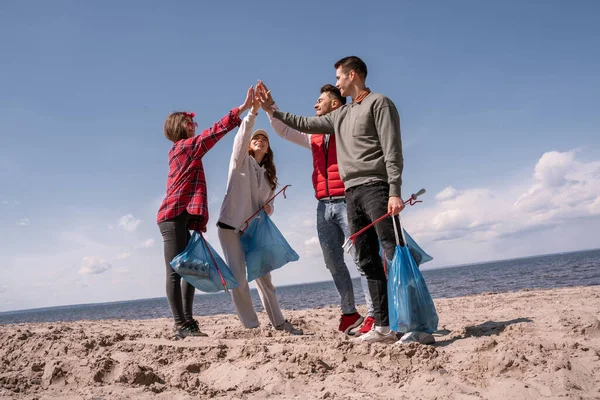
{"x":357,"y":176}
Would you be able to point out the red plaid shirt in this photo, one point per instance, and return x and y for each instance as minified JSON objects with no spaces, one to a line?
{"x":186,"y":183}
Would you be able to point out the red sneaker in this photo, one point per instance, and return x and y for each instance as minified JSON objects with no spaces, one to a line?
{"x":348,"y":322}
{"x":367,"y":326}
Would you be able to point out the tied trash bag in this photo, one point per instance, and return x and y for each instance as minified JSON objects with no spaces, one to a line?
{"x":265,"y":247}
{"x":416,"y":251}
{"x":200,"y":265}
{"x":410,"y":304}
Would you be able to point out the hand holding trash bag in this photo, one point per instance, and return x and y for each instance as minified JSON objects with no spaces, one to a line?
{"x":264,"y":246}
{"x":411,"y":308}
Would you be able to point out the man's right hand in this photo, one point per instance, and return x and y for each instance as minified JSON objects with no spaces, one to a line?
{"x":264,"y":96}
{"x":395,"y":205}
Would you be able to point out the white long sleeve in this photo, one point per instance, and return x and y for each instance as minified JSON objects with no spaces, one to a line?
{"x":242,"y":140}
{"x":247,"y":185}
{"x":289,"y":134}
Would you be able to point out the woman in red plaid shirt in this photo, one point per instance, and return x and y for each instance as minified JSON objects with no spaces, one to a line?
{"x":185,"y":205}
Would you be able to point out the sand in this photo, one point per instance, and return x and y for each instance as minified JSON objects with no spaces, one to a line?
{"x":521,"y":345}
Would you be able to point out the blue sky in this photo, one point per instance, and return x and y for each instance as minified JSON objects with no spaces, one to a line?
{"x":498,"y":104}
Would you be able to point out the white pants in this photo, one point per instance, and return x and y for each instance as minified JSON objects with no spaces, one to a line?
{"x":235,"y":258}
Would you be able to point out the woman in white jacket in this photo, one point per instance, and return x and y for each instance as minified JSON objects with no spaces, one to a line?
{"x":251,"y":182}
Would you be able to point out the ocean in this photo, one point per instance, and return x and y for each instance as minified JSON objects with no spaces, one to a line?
{"x":540,"y":272}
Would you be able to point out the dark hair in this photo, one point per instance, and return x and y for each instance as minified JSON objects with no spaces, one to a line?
{"x":269,"y":164}
{"x":175,"y":126}
{"x":352,"y":63}
{"x":335,"y":92}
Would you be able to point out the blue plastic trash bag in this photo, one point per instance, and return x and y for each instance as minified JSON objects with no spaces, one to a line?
{"x":196,"y":265}
{"x":265,"y":247}
{"x":416,"y":251}
{"x":410,"y":305}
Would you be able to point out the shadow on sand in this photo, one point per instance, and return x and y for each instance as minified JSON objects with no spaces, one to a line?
{"x":487,"y":328}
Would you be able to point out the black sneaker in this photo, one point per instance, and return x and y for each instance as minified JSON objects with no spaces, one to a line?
{"x":196,"y":328}
{"x":188,"y":329}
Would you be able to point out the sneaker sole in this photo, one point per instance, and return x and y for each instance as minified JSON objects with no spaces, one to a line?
{"x":386,"y":340}
{"x":358,"y":333}
{"x":427,"y":342}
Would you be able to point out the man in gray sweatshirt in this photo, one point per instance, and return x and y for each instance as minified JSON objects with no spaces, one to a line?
{"x":369,"y":153}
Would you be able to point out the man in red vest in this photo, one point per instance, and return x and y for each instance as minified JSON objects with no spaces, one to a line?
{"x":332,"y":218}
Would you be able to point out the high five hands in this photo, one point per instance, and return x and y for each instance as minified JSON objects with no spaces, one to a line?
{"x":264,"y":96}
{"x":256,"y":98}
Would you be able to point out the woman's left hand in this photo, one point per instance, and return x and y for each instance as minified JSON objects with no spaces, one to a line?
{"x":248,"y":102}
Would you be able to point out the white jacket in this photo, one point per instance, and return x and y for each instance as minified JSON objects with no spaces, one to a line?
{"x":247,"y":185}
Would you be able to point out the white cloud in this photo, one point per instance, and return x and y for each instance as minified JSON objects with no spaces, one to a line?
{"x":311,"y":249}
{"x":312,"y":241}
{"x":447,"y":194}
{"x":23,"y":222}
{"x":553,"y":167}
{"x":146,"y":244}
{"x":3,"y":288}
{"x":94,"y":265}
{"x":123,"y":256}
{"x":128,"y":223}
{"x":560,"y":189}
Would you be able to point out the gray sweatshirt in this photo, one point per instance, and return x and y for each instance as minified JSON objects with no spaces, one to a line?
{"x":367,"y":134}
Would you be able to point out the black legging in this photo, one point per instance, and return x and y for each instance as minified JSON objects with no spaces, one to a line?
{"x":175,"y":237}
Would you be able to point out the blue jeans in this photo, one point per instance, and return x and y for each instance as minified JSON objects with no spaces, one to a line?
{"x":333,"y":230}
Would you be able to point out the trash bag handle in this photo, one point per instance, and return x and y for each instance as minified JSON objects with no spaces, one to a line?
{"x":263,"y":206}
{"x":215,"y":262}
{"x":396,"y":231}
{"x":411,"y":202}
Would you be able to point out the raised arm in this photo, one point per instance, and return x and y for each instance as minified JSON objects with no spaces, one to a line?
{"x":209,"y":137}
{"x":315,"y":125}
{"x":289,"y":134}
{"x":242,"y":140}
{"x":244,"y":134}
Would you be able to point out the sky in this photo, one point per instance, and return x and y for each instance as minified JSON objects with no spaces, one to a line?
{"x":498,"y":104}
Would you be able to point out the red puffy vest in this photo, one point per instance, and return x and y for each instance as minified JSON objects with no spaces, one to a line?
{"x":326,"y":177}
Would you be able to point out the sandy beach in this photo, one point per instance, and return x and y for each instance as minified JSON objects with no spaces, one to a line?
{"x":521,"y":345}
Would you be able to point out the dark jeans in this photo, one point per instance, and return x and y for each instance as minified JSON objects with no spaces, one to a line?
{"x":179,"y":293}
{"x":366,"y":203}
